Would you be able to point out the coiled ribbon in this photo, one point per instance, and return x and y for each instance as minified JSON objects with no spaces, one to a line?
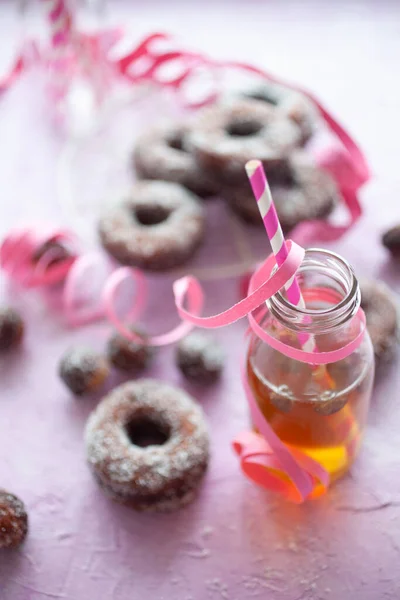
{"x":345,"y":162}
{"x":106,"y":307}
{"x":42,"y":255}
{"x":264,"y":458}
{"x":34,"y":257}
{"x":148,"y":63}
{"x":294,"y":474}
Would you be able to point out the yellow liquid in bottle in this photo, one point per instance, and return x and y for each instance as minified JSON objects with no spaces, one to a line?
{"x":327,"y":425}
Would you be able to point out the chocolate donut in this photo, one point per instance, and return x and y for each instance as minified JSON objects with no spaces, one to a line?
{"x":225,"y":136}
{"x":380,"y":307}
{"x":147,"y":445}
{"x":158,"y":227}
{"x":301,"y":191}
{"x":162,"y":154}
{"x":294,"y":105}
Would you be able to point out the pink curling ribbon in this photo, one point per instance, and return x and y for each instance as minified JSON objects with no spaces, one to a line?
{"x":344,"y":161}
{"x":91,"y":52}
{"x":265,"y":288}
{"x":283,"y":469}
{"x":188,"y":63}
{"x":110,"y":293}
{"x":34,"y":256}
{"x":29,"y":54}
{"x":41,"y":256}
{"x":266,"y":281}
{"x":314,"y":357}
{"x":263,"y":456}
{"x":354,"y":170}
{"x":267,"y":461}
{"x":81,"y":313}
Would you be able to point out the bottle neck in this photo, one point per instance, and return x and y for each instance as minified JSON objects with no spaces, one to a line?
{"x":331,"y":294}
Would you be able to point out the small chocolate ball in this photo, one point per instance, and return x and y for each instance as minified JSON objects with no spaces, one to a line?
{"x":83,"y":371}
{"x":200,"y":358}
{"x":129,"y":355}
{"x":13,"y":520}
{"x":11,"y":329}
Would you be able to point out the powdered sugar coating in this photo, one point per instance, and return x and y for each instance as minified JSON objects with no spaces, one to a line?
{"x":129,"y":355}
{"x":155,"y":477}
{"x":297,"y":107}
{"x":161,"y":153}
{"x":225,"y":136}
{"x":83,"y":370}
{"x":13,"y":520}
{"x":200,"y":357}
{"x":166,"y":235}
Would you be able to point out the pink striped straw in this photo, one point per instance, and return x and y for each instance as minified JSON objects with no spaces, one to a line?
{"x":61,"y":24}
{"x":266,"y":206}
{"x":60,"y":19}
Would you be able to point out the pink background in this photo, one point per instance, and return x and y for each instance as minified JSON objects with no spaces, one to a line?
{"x":235,"y":541}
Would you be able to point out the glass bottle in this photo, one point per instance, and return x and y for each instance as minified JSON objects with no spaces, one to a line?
{"x":321,"y":410}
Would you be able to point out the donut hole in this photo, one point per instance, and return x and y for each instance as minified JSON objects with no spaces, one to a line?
{"x":175,"y":141}
{"x":281,"y":175}
{"x":243,"y":128}
{"x":264,"y":96}
{"x":151,"y":214}
{"x":144,"y":431}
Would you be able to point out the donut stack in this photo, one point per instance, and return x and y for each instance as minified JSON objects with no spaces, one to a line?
{"x":207,"y":156}
{"x":161,"y":224}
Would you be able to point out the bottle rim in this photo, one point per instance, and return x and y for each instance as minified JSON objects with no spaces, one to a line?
{"x":332,"y":267}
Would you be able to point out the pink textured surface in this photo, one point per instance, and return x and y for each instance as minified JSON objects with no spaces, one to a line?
{"x":235,"y":542}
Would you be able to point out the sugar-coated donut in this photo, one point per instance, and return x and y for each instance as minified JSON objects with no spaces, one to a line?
{"x":159,"y":226}
{"x":301,"y":191}
{"x":147,"y":445}
{"x":294,"y":105}
{"x":225,"y":136}
{"x":161,"y":153}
